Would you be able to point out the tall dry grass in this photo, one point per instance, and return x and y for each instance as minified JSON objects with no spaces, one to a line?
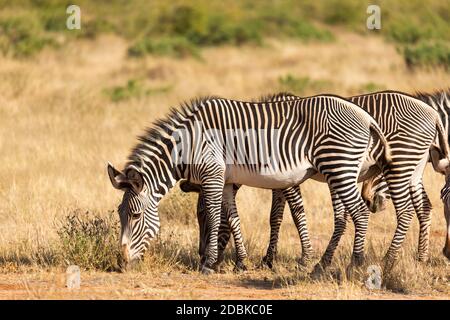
{"x":59,"y":127}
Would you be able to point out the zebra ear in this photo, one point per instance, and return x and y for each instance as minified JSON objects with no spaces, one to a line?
{"x":136,"y":180}
{"x":117,"y":178}
{"x":187,"y":186}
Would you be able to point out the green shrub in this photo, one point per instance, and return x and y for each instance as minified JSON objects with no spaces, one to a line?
{"x":344,"y":12}
{"x":90,"y":240}
{"x":175,"y":47}
{"x":407,"y":33}
{"x":20,"y":37}
{"x":202,"y":27}
{"x":130,"y":90}
{"x":428,"y":55}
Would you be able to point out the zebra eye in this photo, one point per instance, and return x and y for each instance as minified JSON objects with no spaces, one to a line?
{"x":136,"y":215}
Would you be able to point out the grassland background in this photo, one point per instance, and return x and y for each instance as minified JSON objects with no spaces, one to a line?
{"x":72,"y":100}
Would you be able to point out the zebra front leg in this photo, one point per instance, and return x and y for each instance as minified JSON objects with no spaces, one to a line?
{"x":212,"y":190}
{"x":295,"y":201}
{"x":276,"y":217}
{"x":422,"y":206}
{"x":224,"y":237}
{"x":234,"y":223}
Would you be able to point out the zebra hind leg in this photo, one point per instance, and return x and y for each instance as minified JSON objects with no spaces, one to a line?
{"x":340,"y":221}
{"x":422,"y":206}
{"x":295,"y":201}
{"x":404,"y":211}
{"x":276,"y":217}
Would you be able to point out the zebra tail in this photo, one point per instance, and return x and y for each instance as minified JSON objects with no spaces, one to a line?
{"x":375,"y":130}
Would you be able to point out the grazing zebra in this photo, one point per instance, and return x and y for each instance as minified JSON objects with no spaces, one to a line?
{"x":410,"y":127}
{"x":275,"y":145}
{"x":377,"y":188}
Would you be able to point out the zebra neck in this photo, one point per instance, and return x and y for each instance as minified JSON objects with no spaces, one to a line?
{"x":157,"y":169}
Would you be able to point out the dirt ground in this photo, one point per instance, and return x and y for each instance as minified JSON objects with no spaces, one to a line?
{"x":177,"y":285}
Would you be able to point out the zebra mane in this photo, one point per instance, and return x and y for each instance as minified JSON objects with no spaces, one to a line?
{"x":155,"y":132}
{"x":437,"y":96}
{"x":274,"y":96}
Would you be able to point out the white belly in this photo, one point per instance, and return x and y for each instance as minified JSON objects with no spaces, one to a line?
{"x":272,"y":180}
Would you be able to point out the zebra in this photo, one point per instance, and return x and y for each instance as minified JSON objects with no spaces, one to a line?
{"x":424,"y":126}
{"x":284,"y":143}
{"x":377,"y":188}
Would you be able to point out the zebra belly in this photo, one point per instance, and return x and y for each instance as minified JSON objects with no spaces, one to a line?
{"x":273,"y":180}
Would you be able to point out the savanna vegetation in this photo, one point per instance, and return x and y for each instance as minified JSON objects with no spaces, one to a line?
{"x":178,"y":28}
{"x":71,"y":100}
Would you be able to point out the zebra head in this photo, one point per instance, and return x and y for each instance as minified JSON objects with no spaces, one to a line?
{"x":138,"y":213}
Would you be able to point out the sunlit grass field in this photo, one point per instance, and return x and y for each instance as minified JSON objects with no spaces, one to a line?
{"x":66,"y":110}
{"x":59,"y":127}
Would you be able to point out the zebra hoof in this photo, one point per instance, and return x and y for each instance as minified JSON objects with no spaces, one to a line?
{"x":266,"y":263}
{"x":305,"y":261}
{"x":207,"y":271}
{"x":240,"y":267}
{"x":424,"y":259}
{"x":318,"y":272}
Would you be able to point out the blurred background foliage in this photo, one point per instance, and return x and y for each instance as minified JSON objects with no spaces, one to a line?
{"x":178,"y":28}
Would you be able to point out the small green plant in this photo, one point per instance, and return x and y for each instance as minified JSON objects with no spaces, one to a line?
{"x":133,"y":89}
{"x":118,"y":93}
{"x":20,"y":37}
{"x":371,"y":87}
{"x":90,"y":240}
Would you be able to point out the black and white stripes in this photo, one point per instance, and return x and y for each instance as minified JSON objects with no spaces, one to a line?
{"x":411,"y":126}
{"x":275,"y":144}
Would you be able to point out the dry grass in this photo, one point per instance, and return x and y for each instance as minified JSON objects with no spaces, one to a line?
{"x":58,"y":128}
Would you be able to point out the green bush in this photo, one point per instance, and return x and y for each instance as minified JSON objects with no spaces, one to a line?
{"x":203,"y":27}
{"x":427,"y":54}
{"x":407,"y":33}
{"x":20,"y":37}
{"x":89,"y":240}
{"x":345,"y":12}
